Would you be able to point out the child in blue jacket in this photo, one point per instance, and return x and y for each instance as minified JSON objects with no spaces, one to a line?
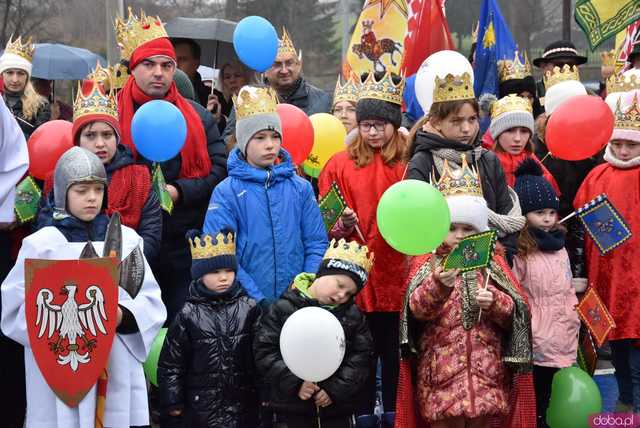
{"x":274,"y":213}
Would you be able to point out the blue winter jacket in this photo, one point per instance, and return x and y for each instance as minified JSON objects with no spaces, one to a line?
{"x":279,"y":229}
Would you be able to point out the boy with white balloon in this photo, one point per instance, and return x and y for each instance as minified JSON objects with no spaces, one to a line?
{"x":314,"y":347}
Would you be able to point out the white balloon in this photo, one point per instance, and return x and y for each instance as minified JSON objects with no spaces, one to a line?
{"x":438,"y":64}
{"x":312,"y":343}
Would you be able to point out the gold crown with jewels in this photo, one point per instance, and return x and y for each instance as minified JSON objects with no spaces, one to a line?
{"x":383,"y":89}
{"x":92,"y":98}
{"x":351,"y":252}
{"x":285,"y":45}
{"x":347,"y":92}
{"x":205,"y":248}
{"x":622,"y":83}
{"x":253,"y":100}
{"x":514,"y":69}
{"x":461,"y":181}
{"x":557,"y":75}
{"x":24,"y":50}
{"x":453,"y":88}
{"x":134,"y":32}
{"x":112,"y":77}
{"x":510,"y":103}
{"x":628,"y":118}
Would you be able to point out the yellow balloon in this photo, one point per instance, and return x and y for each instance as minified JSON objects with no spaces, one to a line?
{"x":328,"y":139}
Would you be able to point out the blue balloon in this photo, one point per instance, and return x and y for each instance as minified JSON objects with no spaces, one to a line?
{"x":159,"y":130}
{"x":256,"y":43}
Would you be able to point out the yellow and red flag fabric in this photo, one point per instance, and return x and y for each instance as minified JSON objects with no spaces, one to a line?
{"x":378,"y":38}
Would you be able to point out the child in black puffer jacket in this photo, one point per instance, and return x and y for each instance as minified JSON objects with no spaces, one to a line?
{"x":206,"y":371}
{"x":297,"y":403}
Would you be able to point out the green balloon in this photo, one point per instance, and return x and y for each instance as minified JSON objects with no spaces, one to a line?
{"x":574,"y":397}
{"x":413,"y":217}
{"x":151,"y":364}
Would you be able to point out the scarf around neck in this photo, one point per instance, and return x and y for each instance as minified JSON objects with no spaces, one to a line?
{"x":548,"y":241}
{"x":612,"y":160}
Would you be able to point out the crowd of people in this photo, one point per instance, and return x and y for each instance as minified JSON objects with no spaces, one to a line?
{"x":246,"y":245}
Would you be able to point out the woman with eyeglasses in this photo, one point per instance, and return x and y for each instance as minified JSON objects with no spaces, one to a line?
{"x":363,"y":172}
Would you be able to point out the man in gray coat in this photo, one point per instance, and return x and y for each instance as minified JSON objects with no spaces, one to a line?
{"x":285,"y":76}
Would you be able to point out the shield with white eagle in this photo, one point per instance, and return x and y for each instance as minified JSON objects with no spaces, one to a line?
{"x":71,"y":311}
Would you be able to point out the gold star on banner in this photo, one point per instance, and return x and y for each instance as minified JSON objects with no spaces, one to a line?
{"x":386,"y":4}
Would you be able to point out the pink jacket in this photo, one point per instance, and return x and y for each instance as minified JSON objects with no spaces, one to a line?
{"x":460,"y":372}
{"x":546,"y":278}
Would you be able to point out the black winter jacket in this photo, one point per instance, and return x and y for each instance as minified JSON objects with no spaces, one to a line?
{"x":342,"y":386}
{"x":494,"y":184}
{"x":150,"y":226}
{"x":206,"y":365}
{"x":14,"y":102}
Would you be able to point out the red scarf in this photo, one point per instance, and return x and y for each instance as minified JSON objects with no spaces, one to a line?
{"x":194,"y":153}
{"x":128,"y":192}
{"x":511,"y":162}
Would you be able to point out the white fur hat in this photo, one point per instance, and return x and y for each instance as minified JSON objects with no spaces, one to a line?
{"x":561,"y":92}
{"x":10,"y":60}
{"x":471,"y":210}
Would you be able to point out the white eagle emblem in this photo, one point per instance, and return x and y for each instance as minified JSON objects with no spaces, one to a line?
{"x":71,"y":321}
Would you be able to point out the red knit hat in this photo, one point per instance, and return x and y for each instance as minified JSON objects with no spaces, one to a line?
{"x":94,"y":104}
{"x":161,"y":46}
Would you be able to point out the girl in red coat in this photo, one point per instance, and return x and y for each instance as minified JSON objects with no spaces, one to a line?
{"x":614,"y":275}
{"x":369,"y":166}
{"x":511,"y":130}
{"x":474,"y":331}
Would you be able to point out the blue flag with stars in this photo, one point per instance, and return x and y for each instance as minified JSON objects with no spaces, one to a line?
{"x":494,"y":43}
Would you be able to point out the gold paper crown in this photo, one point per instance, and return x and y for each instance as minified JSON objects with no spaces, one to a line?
{"x":557,"y":75}
{"x":510,"y":103}
{"x":23,"y":50}
{"x":608,"y":58}
{"x":93,"y":99}
{"x":514,"y":69}
{"x":135,"y":32}
{"x":622,"y":83}
{"x":285,"y":45}
{"x":453,"y":88}
{"x":351,"y":252}
{"x":383,"y":89}
{"x":462,"y":181}
{"x":252,"y":100}
{"x":630,"y":117}
{"x":204,"y":248}
{"x":474,"y":32}
{"x":350,"y":91}
{"x":112,"y":77}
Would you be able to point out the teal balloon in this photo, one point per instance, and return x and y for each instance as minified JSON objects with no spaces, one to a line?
{"x":151,"y":364}
{"x":413,"y":217}
{"x":574,"y":397}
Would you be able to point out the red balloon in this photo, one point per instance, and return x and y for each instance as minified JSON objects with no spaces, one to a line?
{"x":46,"y":145}
{"x":579,"y":128}
{"x":297,"y":132}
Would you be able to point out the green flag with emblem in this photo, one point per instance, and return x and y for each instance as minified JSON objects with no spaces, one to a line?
{"x":473,"y":252}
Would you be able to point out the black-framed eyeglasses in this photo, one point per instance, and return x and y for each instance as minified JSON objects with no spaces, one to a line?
{"x":366,"y":126}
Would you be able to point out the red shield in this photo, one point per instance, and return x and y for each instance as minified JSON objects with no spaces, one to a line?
{"x":71,"y":310}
